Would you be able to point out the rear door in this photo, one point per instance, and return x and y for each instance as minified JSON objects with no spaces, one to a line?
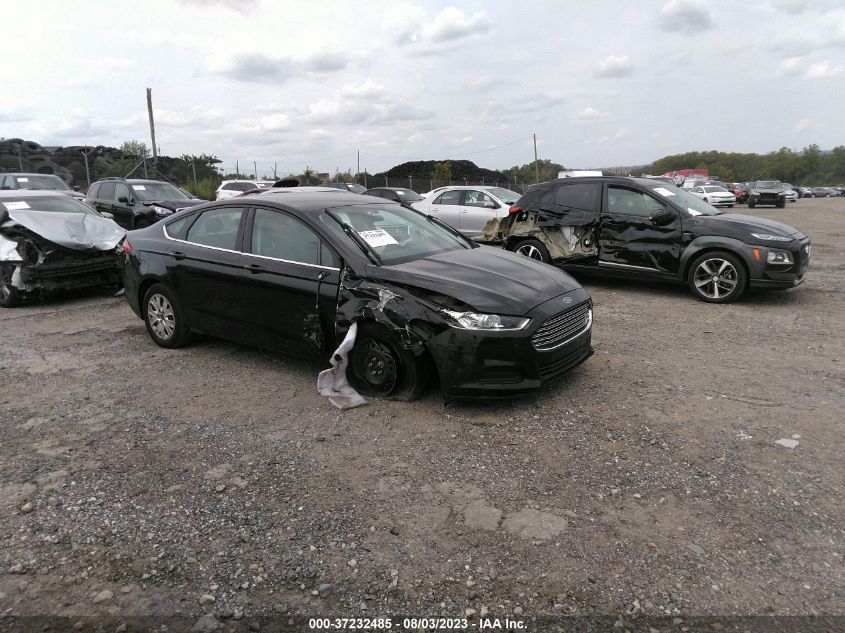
{"x":631,"y":239}
{"x":286,"y":264}
{"x":104,"y":200}
{"x":476,"y":209}
{"x":446,"y":207}
{"x":205,"y":270}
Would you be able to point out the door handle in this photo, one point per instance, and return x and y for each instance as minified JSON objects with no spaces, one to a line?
{"x":254,"y":269}
{"x":178,"y":255}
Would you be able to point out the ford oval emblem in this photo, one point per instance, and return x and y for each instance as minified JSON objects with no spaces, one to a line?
{"x":567,"y":299}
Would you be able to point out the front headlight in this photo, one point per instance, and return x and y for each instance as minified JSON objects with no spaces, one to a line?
{"x":475,"y":321}
{"x":781,"y":193}
{"x":771,"y":238}
{"x":161,"y":210}
{"x":779,"y":257}
{"x":755,"y":193}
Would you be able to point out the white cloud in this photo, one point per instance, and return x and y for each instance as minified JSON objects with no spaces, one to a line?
{"x":690,"y":16}
{"x":406,"y":26}
{"x":791,"y":66}
{"x":588,"y":114}
{"x":241,"y":6}
{"x":262,"y":68}
{"x":453,"y":24}
{"x":802,"y":126}
{"x":615,"y":66}
{"x":822,"y":70}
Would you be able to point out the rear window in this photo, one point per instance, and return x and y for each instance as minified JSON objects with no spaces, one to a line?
{"x":57,"y":204}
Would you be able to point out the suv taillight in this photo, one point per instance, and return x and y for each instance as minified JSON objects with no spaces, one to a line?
{"x":515,"y":209}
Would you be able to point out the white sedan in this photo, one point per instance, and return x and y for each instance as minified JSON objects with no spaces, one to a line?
{"x":717,"y":196}
{"x":468,"y":208}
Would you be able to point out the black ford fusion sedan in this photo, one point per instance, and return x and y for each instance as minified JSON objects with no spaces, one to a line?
{"x":291,"y":269}
{"x":641,"y":228}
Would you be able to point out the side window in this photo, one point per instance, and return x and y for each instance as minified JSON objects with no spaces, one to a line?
{"x":375,"y":192}
{"x":106,"y":191}
{"x":217,"y":228}
{"x":631,"y":202}
{"x":121,"y":191}
{"x":576,"y":197}
{"x":177,"y":227}
{"x":449,"y":197}
{"x":476,"y":198}
{"x":281,"y":236}
{"x":92,"y":192}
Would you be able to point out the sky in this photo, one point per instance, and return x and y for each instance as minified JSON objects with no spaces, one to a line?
{"x":294,"y":84}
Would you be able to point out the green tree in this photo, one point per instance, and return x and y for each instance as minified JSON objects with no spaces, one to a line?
{"x":442,"y":174}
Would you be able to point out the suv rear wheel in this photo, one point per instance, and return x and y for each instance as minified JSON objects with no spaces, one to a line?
{"x":533,"y":249}
{"x":717,"y":277}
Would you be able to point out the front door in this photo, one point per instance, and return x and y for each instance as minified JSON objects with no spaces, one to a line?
{"x":205,"y":271}
{"x":631,"y":239}
{"x":285,"y":262}
{"x":121,"y":208}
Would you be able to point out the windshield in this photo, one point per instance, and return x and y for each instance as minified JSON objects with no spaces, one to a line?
{"x":41,"y":182}
{"x":158,"y":191}
{"x":59,"y":204}
{"x":690,"y":203}
{"x":396,"y":234}
{"x":715,"y":189}
{"x":357,"y":188}
{"x":767,"y":184}
{"x":505,"y":195}
{"x":406,"y":195}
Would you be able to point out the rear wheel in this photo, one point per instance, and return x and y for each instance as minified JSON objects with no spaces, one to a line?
{"x":533,"y":249}
{"x":380,"y":367}
{"x":751,"y":204}
{"x":9,"y":295}
{"x":163,"y":317}
{"x":717,"y":277}
{"x":142,"y":223}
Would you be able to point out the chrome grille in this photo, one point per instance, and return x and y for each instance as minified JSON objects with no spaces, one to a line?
{"x":562,"y":327}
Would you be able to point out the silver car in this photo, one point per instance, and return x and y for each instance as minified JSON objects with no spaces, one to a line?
{"x":468,"y":208}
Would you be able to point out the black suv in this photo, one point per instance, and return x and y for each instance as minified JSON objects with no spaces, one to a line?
{"x":767,"y":192}
{"x":644,"y":228}
{"x":405,"y":197}
{"x":135,"y":203}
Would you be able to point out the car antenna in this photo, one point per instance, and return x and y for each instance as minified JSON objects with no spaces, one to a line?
{"x":362,"y":244}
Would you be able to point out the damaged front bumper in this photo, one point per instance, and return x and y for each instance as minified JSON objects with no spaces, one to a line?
{"x":489,"y":364}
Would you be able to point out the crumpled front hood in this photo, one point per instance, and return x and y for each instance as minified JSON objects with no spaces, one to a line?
{"x":78,"y":231}
{"x":488,"y":279}
{"x":174,"y":204}
{"x":747,"y":224}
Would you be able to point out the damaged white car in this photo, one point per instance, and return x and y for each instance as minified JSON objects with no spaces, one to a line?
{"x":50,"y":241}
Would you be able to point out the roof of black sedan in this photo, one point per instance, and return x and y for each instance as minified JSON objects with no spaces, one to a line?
{"x":31,"y":193}
{"x":313,"y":198}
{"x":643,"y":182}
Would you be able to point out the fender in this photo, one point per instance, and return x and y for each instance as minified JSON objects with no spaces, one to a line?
{"x":713,"y":242}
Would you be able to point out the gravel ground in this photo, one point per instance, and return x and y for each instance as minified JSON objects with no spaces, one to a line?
{"x":213,"y":481}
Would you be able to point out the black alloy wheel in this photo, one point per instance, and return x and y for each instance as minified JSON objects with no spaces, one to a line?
{"x":717,"y":277}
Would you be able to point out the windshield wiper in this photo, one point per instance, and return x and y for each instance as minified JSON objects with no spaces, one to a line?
{"x":451,"y":230}
{"x":362,"y":244}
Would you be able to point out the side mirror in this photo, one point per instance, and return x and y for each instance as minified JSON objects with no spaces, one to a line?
{"x":123,"y":199}
{"x":107,"y":215}
{"x":663,"y":217}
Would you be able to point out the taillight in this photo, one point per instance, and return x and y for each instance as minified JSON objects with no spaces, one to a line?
{"x":127,"y":247}
{"x":515,"y":209}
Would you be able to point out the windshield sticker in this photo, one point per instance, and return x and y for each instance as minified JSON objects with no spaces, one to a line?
{"x":11,"y":206}
{"x":693,"y":212}
{"x":377,"y":237}
{"x":139,"y":187}
{"x":23,"y":179}
{"x":663,"y":192}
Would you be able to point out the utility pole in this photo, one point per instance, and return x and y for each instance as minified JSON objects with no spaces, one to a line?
{"x":237,"y":170}
{"x":536,"y":164}
{"x":152,"y":124}
{"x":275,"y":177}
{"x":255,"y":169}
{"x":358,"y":168}
{"x":196,"y":185}
{"x":87,"y":170}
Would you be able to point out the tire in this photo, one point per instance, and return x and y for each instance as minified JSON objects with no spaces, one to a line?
{"x":163,"y":317}
{"x":781,"y":204}
{"x":142,"y":223}
{"x":380,"y":367}
{"x":732,"y":277}
{"x":705,"y":200}
{"x":533,"y":249}
{"x":751,"y":204}
{"x":10,"y":296}
{"x":730,"y":206}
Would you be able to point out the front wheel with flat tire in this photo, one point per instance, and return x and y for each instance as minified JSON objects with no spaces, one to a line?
{"x":381,"y":367}
{"x":717,"y":277}
{"x":533,"y":249}
{"x":163,"y":317}
{"x":9,"y":295}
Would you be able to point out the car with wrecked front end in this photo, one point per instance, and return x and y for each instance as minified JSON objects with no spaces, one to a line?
{"x":294,"y":270}
{"x":640,"y":228}
{"x":50,"y":241}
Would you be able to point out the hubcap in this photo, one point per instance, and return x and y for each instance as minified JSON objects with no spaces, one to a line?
{"x":161,"y":317}
{"x":375,"y":364}
{"x":531,"y":251}
{"x":716,"y":278}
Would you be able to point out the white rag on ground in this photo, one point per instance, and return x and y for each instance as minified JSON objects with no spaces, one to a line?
{"x":332,"y":382}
